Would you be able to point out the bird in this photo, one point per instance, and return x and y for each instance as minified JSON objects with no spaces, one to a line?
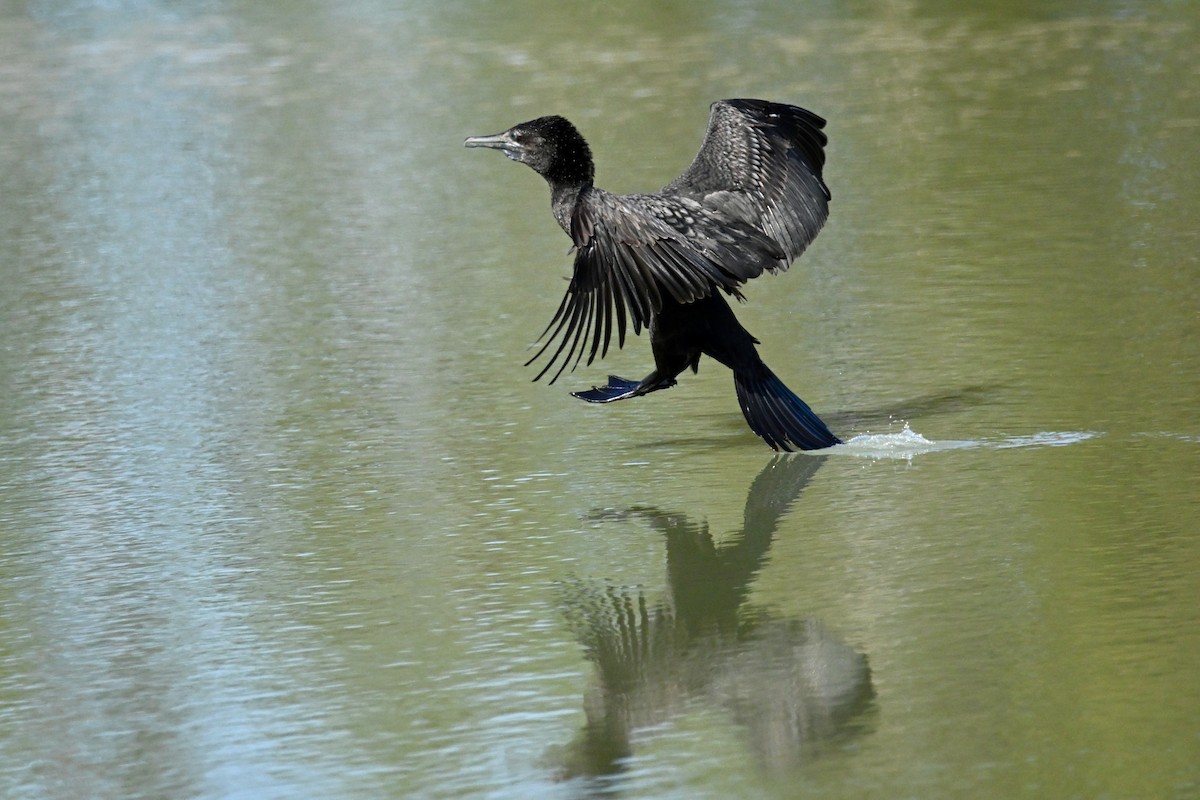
{"x":751,"y":201}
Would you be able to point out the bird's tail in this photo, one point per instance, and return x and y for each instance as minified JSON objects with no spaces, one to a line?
{"x":774,"y":412}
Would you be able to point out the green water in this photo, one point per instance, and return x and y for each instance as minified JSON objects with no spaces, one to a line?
{"x":282,"y":515}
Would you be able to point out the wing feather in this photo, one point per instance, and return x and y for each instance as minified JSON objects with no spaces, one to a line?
{"x":761,"y":163}
{"x":618,"y":303}
{"x":627,"y":261}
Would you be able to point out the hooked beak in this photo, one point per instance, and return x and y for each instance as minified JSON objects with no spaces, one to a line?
{"x":500,"y":141}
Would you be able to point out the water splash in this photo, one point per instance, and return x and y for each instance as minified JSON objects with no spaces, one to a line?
{"x":905,"y":444}
{"x":908,"y":443}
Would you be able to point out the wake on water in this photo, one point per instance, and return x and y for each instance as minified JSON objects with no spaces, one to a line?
{"x":908,"y":443}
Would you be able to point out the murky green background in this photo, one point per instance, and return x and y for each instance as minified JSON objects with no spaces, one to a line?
{"x":282,"y":516}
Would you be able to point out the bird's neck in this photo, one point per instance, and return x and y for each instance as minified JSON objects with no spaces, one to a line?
{"x":563,"y":197}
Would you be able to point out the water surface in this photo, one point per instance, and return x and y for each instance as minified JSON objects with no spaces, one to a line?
{"x":282,"y":515}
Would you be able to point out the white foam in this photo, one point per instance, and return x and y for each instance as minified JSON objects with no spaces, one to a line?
{"x":1047,"y":439}
{"x":904,"y":444}
{"x":908,"y":443}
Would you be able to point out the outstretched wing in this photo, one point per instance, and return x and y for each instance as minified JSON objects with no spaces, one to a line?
{"x":761,"y":163}
{"x":631,"y":251}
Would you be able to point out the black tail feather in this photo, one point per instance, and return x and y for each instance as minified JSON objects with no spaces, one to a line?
{"x":775,"y":413}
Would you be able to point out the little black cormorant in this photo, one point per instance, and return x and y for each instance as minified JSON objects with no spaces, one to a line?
{"x":751,"y":201}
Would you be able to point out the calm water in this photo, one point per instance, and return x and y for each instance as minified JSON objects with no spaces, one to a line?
{"x":282,"y":516}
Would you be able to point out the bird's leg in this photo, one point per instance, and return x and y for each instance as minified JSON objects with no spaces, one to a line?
{"x":674,"y":351}
{"x":619,"y":388}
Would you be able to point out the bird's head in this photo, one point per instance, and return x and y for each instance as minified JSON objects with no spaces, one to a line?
{"x":551,"y":146}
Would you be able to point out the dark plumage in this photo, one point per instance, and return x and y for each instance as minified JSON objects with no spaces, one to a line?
{"x":750,"y":202}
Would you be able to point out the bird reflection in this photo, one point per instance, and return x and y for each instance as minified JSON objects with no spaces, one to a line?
{"x":790,"y":684}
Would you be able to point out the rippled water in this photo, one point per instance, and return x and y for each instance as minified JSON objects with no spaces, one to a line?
{"x":281,"y":514}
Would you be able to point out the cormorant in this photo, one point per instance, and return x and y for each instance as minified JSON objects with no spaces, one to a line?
{"x":751,"y":201}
